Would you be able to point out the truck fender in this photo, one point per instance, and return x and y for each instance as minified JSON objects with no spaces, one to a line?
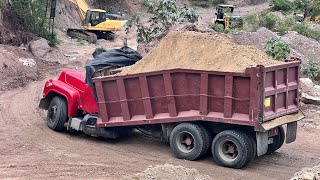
{"x":262,"y":143}
{"x":58,"y":88}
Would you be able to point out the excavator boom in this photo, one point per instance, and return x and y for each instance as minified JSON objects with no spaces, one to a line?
{"x":82,"y":9}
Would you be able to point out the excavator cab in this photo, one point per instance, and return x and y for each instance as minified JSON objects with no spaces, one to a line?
{"x":95,"y":17}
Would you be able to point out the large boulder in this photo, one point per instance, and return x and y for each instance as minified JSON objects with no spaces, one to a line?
{"x":39,"y":48}
{"x":310,"y":92}
{"x":306,"y":85}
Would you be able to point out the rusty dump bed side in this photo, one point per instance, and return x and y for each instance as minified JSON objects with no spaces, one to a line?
{"x":280,"y":90}
{"x":189,"y":95}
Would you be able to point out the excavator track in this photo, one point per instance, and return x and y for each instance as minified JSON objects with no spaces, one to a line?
{"x":82,"y":34}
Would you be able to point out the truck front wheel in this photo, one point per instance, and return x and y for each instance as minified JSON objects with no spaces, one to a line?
{"x":232,"y":148}
{"x":187,"y":141}
{"x":57,"y":114}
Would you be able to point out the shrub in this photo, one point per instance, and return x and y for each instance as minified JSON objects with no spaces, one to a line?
{"x":163,"y":15}
{"x":250,"y":22}
{"x":277,"y":49}
{"x":268,"y":20}
{"x":312,"y":70}
{"x":306,"y":31}
{"x":281,"y":5}
{"x":216,"y":27}
{"x":284,"y":26}
{"x":33,"y":13}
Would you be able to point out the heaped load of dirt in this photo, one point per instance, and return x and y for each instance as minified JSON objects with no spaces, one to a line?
{"x":169,"y":172}
{"x":200,"y":51}
{"x":308,"y":174}
{"x":145,"y":48}
{"x":17,"y":67}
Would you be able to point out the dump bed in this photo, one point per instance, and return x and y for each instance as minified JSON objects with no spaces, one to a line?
{"x":258,"y":95}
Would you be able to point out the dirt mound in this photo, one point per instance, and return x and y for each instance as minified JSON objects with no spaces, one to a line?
{"x":308,"y":174}
{"x":258,"y":39}
{"x":15,"y":38}
{"x":12,"y":29}
{"x":17,"y":67}
{"x":308,"y":47}
{"x":145,"y":48}
{"x":201,"y":51}
{"x":168,"y":171}
{"x":300,"y":46}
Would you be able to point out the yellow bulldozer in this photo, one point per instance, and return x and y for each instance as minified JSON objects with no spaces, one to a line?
{"x":96,"y":23}
{"x":225,"y":16}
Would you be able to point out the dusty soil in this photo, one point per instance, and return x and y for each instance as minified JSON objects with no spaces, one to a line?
{"x":17,"y":67}
{"x":218,"y":53}
{"x":169,"y":172}
{"x":308,"y":173}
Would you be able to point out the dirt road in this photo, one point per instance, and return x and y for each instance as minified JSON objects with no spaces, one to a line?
{"x":29,"y":149}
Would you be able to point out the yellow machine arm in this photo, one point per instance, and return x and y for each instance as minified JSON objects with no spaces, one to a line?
{"x":82,"y":9}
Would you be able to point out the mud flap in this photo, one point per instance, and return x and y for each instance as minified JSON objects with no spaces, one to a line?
{"x":262,"y":143}
{"x":291,"y":134}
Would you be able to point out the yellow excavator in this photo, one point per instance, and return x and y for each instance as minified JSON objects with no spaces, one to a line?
{"x":96,"y":23}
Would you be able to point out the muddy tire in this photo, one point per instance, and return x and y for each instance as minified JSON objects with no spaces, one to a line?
{"x":57,"y":114}
{"x":278,"y":141}
{"x":207,"y":139}
{"x":232,"y":148}
{"x":187,"y":141}
{"x":254,"y":147}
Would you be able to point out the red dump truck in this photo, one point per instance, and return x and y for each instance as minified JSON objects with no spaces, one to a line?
{"x":236,"y":116}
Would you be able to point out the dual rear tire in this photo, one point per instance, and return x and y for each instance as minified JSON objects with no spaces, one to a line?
{"x":230,"y":148}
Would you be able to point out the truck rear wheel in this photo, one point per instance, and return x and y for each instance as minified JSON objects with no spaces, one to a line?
{"x":187,"y":141}
{"x":207,"y":139}
{"x":232,"y":148}
{"x":57,"y":114}
{"x":278,"y":141}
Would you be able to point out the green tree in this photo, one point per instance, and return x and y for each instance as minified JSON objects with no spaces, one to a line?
{"x":277,"y":49}
{"x":281,"y":5}
{"x":163,"y":15}
{"x":33,"y":13}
